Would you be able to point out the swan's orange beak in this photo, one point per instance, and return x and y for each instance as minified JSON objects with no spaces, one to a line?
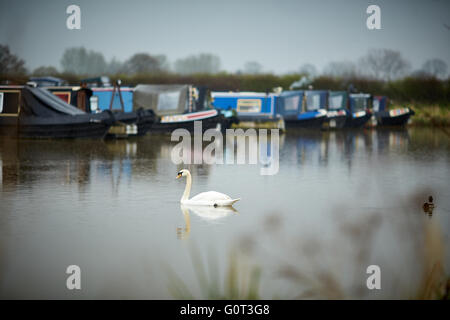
{"x":178,"y":175}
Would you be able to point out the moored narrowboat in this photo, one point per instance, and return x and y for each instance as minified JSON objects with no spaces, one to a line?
{"x":176,"y":106}
{"x":386,"y":117}
{"x":36,"y":113}
{"x":337,"y":109}
{"x":253,"y":109}
{"x":359,"y":110}
{"x":299,"y":111}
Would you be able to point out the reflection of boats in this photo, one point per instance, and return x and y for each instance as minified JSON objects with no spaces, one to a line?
{"x":336,"y":109}
{"x":177,"y":107}
{"x":359,"y":110}
{"x":392,"y":138}
{"x":308,"y":147}
{"x":36,"y":113}
{"x":386,"y":117}
{"x":254,"y":109}
{"x":299,"y":111}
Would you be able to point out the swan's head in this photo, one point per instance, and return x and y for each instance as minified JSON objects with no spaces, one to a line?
{"x":182,"y":173}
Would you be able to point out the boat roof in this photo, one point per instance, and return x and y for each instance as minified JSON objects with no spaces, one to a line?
{"x":163,"y":99}
{"x":241,"y":94}
{"x":360,"y":95}
{"x":48,"y":79}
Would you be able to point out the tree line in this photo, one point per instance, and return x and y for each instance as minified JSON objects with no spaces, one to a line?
{"x":380,"y":71}
{"x":379,"y":64}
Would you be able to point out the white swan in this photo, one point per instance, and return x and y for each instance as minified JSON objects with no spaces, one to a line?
{"x":210,"y":198}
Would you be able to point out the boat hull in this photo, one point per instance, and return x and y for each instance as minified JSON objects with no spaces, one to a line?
{"x":385,"y":119}
{"x":310,"y":123}
{"x":357,"y":122}
{"x":66,"y":127}
{"x":143,"y":119}
{"x":9,"y":126}
{"x":337,"y":122}
{"x":272,"y":124}
{"x":208,"y":123}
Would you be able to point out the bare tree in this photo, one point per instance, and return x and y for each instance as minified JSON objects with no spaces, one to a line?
{"x":252,"y":67}
{"x":78,"y":60}
{"x":340,"y":69}
{"x":10,"y":63}
{"x":201,"y":63}
{"x":142,"y":63}
{"x":435,"y":67}
{"x":384,"y":64}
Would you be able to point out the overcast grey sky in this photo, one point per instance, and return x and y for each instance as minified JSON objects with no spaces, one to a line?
{"x":281,"y":35}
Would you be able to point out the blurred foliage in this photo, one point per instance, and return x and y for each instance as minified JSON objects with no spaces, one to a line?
{"x":241,"y":281}
{"x":10,"y":63}
{"x":419,"y":91}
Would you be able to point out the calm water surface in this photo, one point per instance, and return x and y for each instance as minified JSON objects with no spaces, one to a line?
{"x":341,"y":201}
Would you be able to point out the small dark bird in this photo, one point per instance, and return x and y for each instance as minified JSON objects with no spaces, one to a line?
{"x":429,"y":206}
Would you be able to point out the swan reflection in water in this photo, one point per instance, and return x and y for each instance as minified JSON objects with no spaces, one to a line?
{"x":210,"y":214}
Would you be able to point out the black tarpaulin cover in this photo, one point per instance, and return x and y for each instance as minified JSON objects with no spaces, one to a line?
{"x":42,"y":103}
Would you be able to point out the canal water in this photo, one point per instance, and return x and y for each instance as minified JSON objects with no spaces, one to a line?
{"x":340,"y":202}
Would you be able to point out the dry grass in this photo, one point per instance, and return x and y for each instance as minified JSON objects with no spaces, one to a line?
{"x":241,"y":280}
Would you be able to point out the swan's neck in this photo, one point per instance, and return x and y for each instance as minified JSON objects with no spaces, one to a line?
{"x":187,"y":190}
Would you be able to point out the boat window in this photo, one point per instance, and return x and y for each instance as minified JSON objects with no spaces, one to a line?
{"x":168,"y":100}
{"x":376,"y":105}
{"x":9,"y":102}
{"x":291,"y":103}
{"x":313,"y":102}
{"x":249,"y":105}
{"x":360,"y":104}
{"x":336,"y":102}
{"x":64,"y":96}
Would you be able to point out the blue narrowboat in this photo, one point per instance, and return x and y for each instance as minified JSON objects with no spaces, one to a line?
{"x":337,"y":109}
{"x":302,"y":110}
{"x":359,"y":110}
{"x":253,"y":109}
{"x":386,"y":117}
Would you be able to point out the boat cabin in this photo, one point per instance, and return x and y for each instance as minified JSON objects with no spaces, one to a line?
{"x":315,"y":100}
{"x":337,"y":100}
{"x":291,"y":104}
{"x":10,"y":100}
{"x":359,"y":102}
{"x":164,"y":99}
{"x":251,"y":106}
{"x":380,"y":103}
{"x":302,"y":108}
